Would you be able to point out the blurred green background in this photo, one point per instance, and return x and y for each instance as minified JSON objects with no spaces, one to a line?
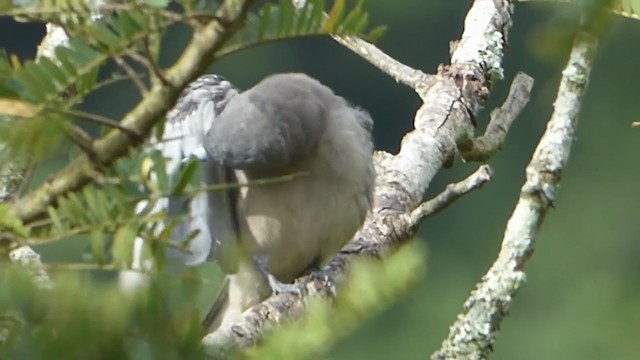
{"x":582,"y":298}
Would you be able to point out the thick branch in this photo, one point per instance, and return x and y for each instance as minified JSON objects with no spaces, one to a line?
{"x":473,"y":334}
{"x":196,"y":57}
{"x":402,"y":179}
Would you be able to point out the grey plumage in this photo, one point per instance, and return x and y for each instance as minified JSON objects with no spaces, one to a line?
{"x":267,"y":235}
{"x":288,"y":123}
{"x":208,"y":90}
{"x":187,"y":123}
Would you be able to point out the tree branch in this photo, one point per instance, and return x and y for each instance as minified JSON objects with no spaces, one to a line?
{"x":451,"y":194}
{"x":473,"y":334}
{"x":451,"y":99}
{"x":483,"y":147}
{"x":390,"y":66}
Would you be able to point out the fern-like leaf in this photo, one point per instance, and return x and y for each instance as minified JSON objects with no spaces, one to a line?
{"x":283,"y":21}
{"x":52,"y":86}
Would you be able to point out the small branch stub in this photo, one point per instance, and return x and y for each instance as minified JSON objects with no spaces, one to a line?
{"x":474,"y":332}
{"x":450,"y":194}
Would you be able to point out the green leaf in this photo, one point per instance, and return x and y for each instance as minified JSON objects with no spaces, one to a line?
{"x":30,"y":84}
{"x":57,"y":84}
{"x":185,"y":177}
{"x":43,"y":78}
{"x":336,"y":13}
{"x":316,"y":16}
{"x":98,"y":245}
{"x":122,"y":248}
{"x":57,"y":74}
{"x":10,"y":222}
{"x":55,"y":219}
{"x":160,"y":170}
{"x":7,"y":4}
{"x":282,"y":21}
{"x":286,"y":17}
{"x":97,"y":204}
{"x":34,"y":136}
{"x":301,"y":22}
{"x":128,"y":24}
{"x":106,"y":37}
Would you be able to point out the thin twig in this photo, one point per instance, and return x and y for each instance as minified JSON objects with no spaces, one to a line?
{"x":451,"y":193}
{"x":142,"y":88}
{"x":400,"y":72}
{"x":483,"y":147}
{"x":156,"y":74}
{"x":151,"y":47}
{"x":474,"y":332}
{"x":102,"y":120}
{"x":80,"y":138}
{"x":187,"y":194}
{"x":87,"y":229}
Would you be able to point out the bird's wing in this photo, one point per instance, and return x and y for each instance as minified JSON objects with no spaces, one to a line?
{"x":210,"y":213}
{"x":272,"y":126}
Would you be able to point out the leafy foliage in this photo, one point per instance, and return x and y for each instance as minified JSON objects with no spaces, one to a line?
{"x":78,"y":319}
{"x":40,"y":96}
{"x":39,"y":118}
{"x":107,"y":212}
{"x":48,"y":88}
{"x":52,"y":86}
{"x":283,"y":20}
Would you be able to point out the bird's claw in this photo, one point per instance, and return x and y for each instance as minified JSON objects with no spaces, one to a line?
{"x":278,"y":287}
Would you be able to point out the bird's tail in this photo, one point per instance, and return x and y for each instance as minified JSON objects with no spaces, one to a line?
{"x":215,"y":315}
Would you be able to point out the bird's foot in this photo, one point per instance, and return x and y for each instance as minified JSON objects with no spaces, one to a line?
{"x":282,"y":288}
{"x":277,"y":287}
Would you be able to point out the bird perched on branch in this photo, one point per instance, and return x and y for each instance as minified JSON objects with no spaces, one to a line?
{"x":264,"y":236}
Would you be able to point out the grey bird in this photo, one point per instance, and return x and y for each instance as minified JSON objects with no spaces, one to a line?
{"x":264,"y":236}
